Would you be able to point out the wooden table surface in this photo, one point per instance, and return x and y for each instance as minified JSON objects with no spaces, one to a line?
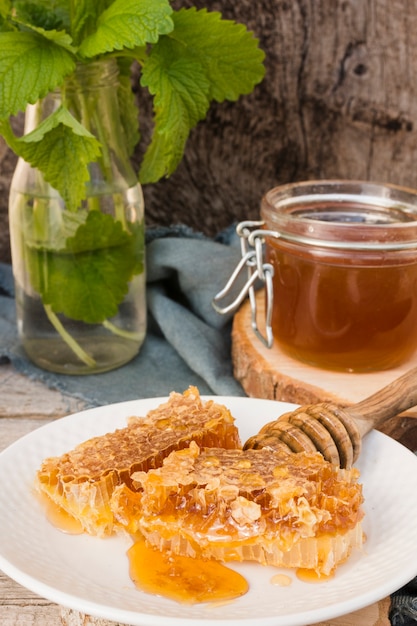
{"x":24,"y":406}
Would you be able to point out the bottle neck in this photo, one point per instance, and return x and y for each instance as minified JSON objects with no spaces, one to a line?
{"x":91,"y":85}
{"x":91,"y":96}
{"x":93,"y":76}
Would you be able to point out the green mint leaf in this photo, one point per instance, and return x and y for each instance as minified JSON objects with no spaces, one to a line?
{"x":59,"y":7}
{"x":84,"y":16}
{"x":58,"y":145}
{"x":65,"y":227}
{"x":5,"y":26}
{"x":163,"y":155}
{"x":178,"y":84}
{"x":180,"y":91}
{"x":59,"y":37}
{"x":5,"y":8}
{"x":89,"y":280}
{"x":41,"y":16}
{"x":30,"y":67}
{"x":127,"y":24}
{"x":84,"y":13}
{"x":8,"y":135}
{"x":229,"y":53}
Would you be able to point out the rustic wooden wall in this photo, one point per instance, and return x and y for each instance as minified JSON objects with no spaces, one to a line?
{"x":339,"y":100}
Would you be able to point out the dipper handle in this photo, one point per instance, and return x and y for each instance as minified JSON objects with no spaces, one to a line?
{"x":336,"y":431}
{"x":394,"y":398}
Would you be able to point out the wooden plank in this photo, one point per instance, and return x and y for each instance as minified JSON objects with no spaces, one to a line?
{"x":20,"y":607}
{"x":22,"y":397}
{"x":11,"y":429}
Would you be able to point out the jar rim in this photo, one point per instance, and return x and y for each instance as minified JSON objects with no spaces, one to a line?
{"x":345,"y":214}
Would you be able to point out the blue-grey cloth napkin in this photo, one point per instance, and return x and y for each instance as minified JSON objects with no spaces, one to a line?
{"x":187,"y":342}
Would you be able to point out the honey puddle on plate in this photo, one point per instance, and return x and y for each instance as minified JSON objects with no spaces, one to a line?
{"x":184,"y":579}
{"x":281,"y":580}
{"x":305,"y":575}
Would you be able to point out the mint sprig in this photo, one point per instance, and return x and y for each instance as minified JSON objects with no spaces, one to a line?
{"x":79,"y":260}
{"x":204,"y":58}
{"x":188,"y":59}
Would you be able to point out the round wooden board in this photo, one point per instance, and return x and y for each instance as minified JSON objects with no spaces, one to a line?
{"x":270,"y":373}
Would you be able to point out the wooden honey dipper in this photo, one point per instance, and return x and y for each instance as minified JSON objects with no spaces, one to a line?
{"x":333,"y":430}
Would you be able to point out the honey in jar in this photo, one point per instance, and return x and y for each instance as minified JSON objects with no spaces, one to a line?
{"x":344,"y":258}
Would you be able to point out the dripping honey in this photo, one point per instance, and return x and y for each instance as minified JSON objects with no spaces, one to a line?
{"x":311,"y":576}
{"x":345,"y":274}
{"x":183,"y":579}
{"x":57,"y":517}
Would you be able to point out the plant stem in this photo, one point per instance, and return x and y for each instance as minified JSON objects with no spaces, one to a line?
{"x":69,"y":340}
{"x":127,"y":334}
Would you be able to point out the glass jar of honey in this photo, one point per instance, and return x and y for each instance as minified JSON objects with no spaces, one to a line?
{"x":343,"y":259}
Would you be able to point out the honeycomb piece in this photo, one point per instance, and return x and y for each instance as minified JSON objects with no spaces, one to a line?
{"x":83,"y":480}
{"x":282,"y":509}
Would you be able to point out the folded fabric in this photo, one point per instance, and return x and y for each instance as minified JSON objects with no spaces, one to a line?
{"x":187,"y":342}
{"x":403,"y":609}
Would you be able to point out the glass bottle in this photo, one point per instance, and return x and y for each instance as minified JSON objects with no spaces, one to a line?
{"x":80,"y":275}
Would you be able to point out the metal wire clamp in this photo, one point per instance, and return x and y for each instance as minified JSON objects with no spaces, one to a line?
{"x":252,"y":239}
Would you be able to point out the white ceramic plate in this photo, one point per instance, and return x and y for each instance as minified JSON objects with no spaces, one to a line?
{"x":91,"y":575}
